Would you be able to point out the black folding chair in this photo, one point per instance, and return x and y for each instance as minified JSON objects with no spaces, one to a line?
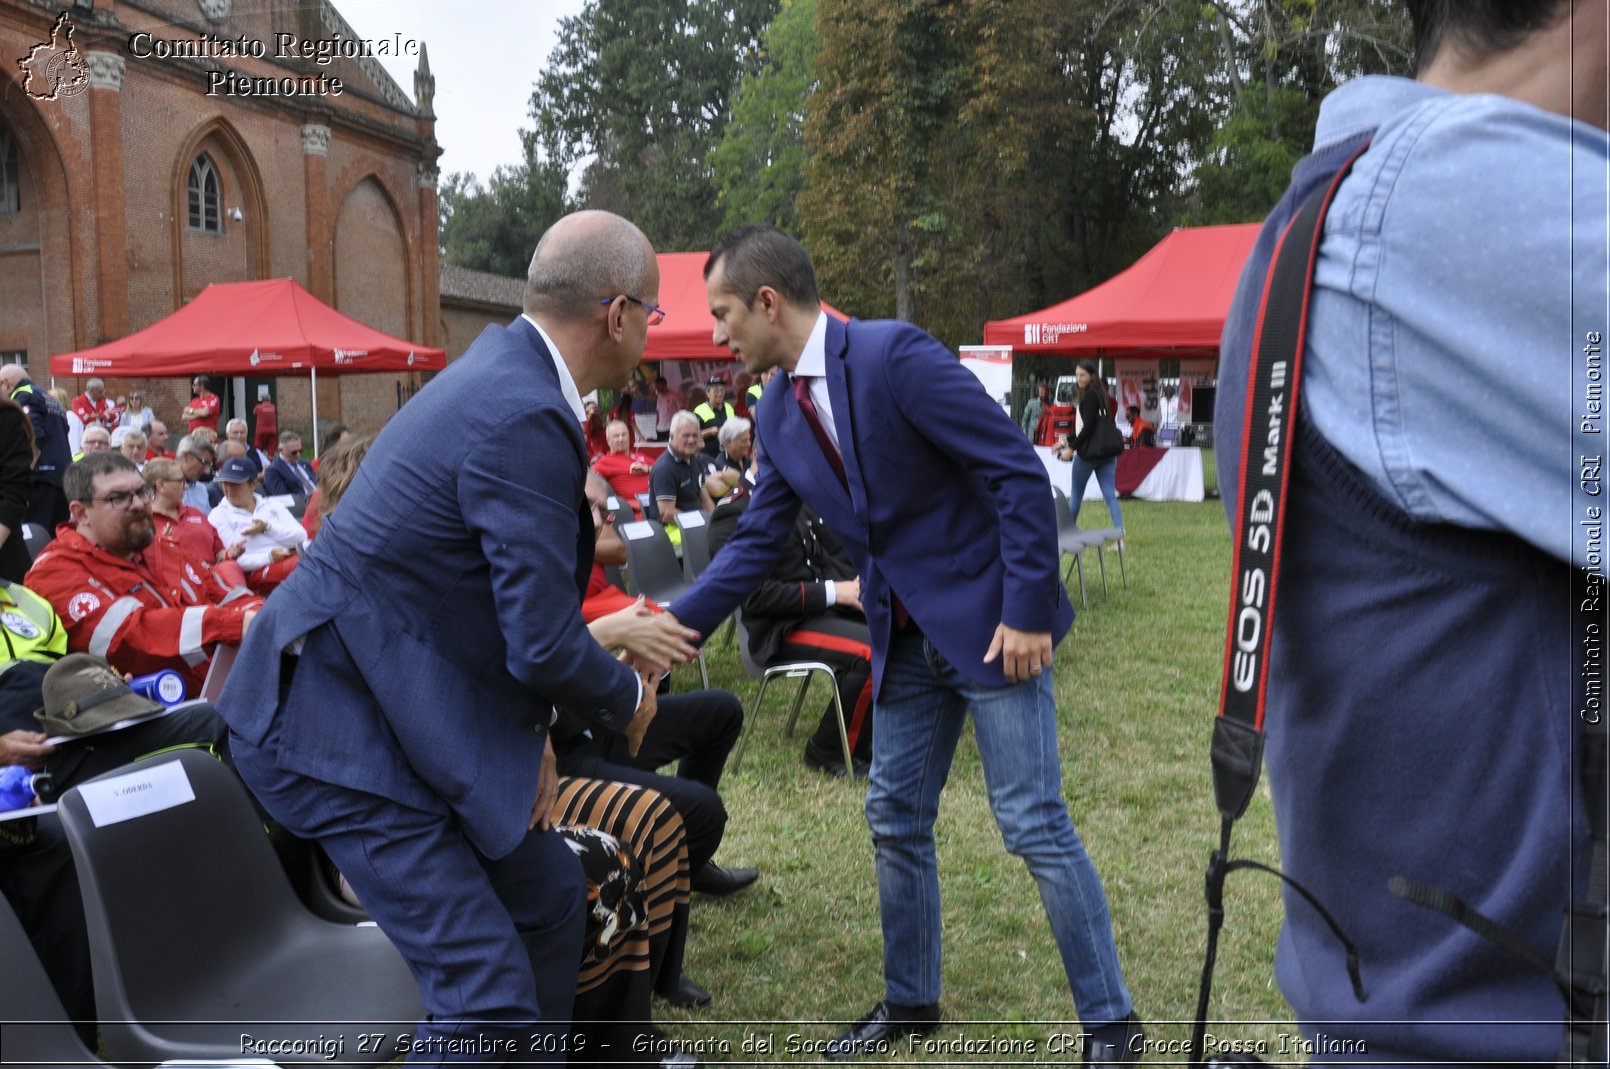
{"x":195,"y":931}
{"x":653,"y":571}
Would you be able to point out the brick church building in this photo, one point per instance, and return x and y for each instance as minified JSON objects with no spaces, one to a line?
{"x":150,"y":147}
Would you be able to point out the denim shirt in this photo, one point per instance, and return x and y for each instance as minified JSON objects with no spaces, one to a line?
{"x":1462,"y":269}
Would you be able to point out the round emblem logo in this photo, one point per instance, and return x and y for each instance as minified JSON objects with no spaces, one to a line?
{"x":82,"y":605}
{"x":18,"y":624}
{"x":191,"y":572}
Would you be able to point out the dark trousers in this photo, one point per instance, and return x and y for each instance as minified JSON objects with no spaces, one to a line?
{"x":844,"y":644}
{"x":698,"y":730}
{"x":47,"y":506}
{"x":494,"y":943}
{"x":38,"y":879}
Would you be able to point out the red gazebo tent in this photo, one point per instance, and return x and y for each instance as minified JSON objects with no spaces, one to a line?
{"x":268,"y":328}
{"x":685,"y":333}
{"x":1171,"y":302}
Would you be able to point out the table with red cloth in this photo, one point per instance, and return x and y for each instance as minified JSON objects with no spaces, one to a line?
{"x":1144,"y":472}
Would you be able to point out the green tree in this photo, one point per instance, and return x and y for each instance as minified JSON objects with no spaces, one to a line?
{"x":758,"y":166}
{"x":495,"y":227}
{"x":1281,"y":58}
{"x":641,"y":88}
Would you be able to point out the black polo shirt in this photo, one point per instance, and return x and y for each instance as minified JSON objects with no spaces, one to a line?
{"x":674,"y":477}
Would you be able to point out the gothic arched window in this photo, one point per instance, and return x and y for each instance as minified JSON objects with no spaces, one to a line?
{"x":204,"y":198}
{"x":10,"y":173}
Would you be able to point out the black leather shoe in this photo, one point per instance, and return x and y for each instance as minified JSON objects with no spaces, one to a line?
{"x":832,"y":762}
{"x":1120,"y":1043}
{"x":686,"y":993}
{"x":882,"y":1029}
{"x":715,"y":880}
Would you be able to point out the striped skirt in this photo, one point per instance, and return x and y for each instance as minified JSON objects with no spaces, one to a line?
{"x":637,"y":891}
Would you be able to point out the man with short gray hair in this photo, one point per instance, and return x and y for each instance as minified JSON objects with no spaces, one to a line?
{"x":195,"y":463}
{"x":95,"y":408}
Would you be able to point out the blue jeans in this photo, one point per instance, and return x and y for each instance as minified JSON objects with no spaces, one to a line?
{"x":920,"y":714}
{"x":1106,"y":473}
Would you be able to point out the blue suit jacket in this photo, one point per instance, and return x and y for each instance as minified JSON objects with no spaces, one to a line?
{"x":278,"y":478}
{"x":442,"y":605}
{"x":947,"y":504}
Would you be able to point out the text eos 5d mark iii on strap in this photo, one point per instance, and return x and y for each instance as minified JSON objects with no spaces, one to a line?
{"x":1272,"y":411}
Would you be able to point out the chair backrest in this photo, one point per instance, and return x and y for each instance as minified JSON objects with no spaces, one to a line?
{"x":1065,"y":521}
{"x":619,"y":511}
{"x":651,"y":564}
{"x":157,"y":879}
{"x":1165,"y":437}
{"x":39,"y":1032}
{"x":646,"y":503}
{"x":695,"y":543}
{"x":742,"y":635}
{"x":36,"y":538}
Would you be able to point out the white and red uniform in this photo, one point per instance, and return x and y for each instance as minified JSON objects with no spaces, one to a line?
{"x":105,"y":411}
{"x":160,"y":610}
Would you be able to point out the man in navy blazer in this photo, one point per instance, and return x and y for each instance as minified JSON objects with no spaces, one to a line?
{"x":289,"y":473}
{"x":393,"y":701}
{"x":947,"y":515}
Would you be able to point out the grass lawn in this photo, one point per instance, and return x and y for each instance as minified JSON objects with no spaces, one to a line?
{"x":1137,"y":688}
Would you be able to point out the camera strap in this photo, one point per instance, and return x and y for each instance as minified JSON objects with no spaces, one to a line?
{"x":1269,"y":434}
{"x":1582,"y":961}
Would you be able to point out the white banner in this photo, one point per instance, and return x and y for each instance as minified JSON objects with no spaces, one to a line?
{"x":1137,"y":385}
{"x":1194,"y":373}
{"x":992,"y":364}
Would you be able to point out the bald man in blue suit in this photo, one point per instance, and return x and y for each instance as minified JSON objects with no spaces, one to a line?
{"x":392,"y":700}
{"x":947,"y":514}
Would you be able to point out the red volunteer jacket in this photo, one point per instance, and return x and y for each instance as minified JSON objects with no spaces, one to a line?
{"x":160,"y":610}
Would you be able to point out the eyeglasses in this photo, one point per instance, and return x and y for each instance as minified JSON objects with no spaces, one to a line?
{"x":656,"y":314}
{"x":120,"y":500}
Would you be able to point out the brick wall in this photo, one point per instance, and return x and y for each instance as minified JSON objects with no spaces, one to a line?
{"x":50,"y":299}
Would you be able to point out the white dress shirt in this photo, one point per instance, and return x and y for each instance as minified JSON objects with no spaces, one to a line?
{"x":812,"y":367}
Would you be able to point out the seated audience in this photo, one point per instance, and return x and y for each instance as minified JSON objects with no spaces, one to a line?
{"x":156,"y":444}
{"x":633,"y":848}
{"x":195,"y":459}
{"x":176,"y":522}
{"x":133,"y":446}
{"x":1140,"y":431}
{"x":809,"y":609}
{"x":697,"y":729}
{"x":626,"y":472}
{"x":334,"y":435}
{"x":737,"y":439}
{"x":258,"y":533}
{"x":235,"y":431}
{"x":75,"y":426}
{"x":340,"y":466}
{"x":677,"y":478}
{"x":289,"y":473}
{"x":96,"y":439}
{"x":141,"y":610}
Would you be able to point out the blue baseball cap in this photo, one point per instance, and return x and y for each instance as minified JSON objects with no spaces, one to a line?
{"x":236,"y":470}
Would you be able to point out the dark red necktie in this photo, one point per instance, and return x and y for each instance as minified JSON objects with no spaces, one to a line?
{"x":802,"y":393}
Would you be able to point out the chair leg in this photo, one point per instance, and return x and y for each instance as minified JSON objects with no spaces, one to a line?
{"x":844,"y":731}
{"x":704,"y":671}
{"x":1079,"y":566}
{"x":731,"y":632}
{"x":1123,"y":571}
{"x":749,"y":724}
{"x":799,"y":700}
{"x":1101,"y":559}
